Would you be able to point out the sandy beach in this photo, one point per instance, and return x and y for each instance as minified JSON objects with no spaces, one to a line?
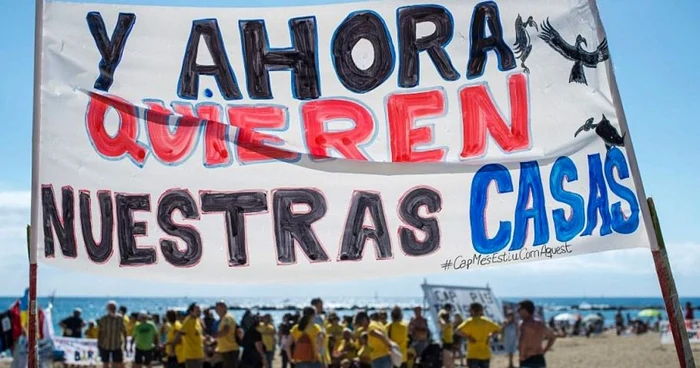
{"x":607,"y":350}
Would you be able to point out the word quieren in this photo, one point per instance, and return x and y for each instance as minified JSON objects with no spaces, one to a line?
{"x":291,"y":227}
{"x":302,"y":57}
{"x":524,"y":254}
{"x":174,"y":145}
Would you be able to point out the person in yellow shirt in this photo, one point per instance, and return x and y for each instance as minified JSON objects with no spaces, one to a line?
{"x":364,"y":353}
{"x":92,"y":331}
{"x":346,"y":347}
{"x":334,"y":330}
{"x":398,"y":333}
{"x":307,"y":338}
{"x":268,"y":332}
{"x":192,"y":338}
{"x":447,"y":334}
{"x":478,"y":331}
{"x":173,"y":352}
{"x":226,"y":345}
{"x":377,"y":341}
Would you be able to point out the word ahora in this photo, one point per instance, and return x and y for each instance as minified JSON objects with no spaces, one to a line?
{"x":302,"y":58}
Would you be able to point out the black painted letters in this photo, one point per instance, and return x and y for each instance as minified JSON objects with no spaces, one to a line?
{"x":410,"y":46}
{"x":112,"y":49}
{"x":291,"y":226}
{"x":102,"y":251}
{"x":127,"y":230}
{"x":65,"y":230}
{"x":486,"y":14}
{"x":356,"y":235}
{"x":235,"y":206}
{"x":179,"y":200}
{"x":301,"y":58}
{"x":188,"y":85}
{"x":408,"y":212}
{"x":357,"y":26}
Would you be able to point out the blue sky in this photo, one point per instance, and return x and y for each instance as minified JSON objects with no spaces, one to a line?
{"x":653,"y":44}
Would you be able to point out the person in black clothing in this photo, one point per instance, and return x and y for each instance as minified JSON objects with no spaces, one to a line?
{"x":253,"y":349}
{"x":73,"y":326}
{"x":209,"y":322}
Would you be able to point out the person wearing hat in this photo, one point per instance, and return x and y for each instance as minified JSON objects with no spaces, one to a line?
{"x":73,"y":325}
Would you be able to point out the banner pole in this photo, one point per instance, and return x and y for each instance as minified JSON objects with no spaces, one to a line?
{"x":33,"y":231}
{"x":670,"y":294}
{"x":32,"y":340}
{"x":648,"y":212}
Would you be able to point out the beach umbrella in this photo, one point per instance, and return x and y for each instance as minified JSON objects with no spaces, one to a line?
{"x":649,"y":313}
{"x":563,"y":317}
{"x":592,"y":318}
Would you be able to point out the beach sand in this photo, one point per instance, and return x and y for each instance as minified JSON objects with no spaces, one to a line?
{"x":607,"y":350}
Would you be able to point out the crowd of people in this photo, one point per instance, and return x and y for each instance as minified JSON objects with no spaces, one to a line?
{"x":313,"y":338}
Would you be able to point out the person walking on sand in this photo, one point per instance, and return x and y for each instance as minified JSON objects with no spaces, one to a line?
{"x":478,"y":330}
{"x":510,"y":337}
{"x":532,"y":333}
{"x":111,"y":337}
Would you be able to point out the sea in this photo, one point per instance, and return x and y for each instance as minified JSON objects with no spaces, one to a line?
{"x":94,"y":307}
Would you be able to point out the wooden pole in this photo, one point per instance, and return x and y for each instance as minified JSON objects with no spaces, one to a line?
{"x":670,"y":294}
{"x":32,"y":320}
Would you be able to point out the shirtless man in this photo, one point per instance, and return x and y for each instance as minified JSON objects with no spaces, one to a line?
{"x":532,"y":333}
{"x":418,"y":331}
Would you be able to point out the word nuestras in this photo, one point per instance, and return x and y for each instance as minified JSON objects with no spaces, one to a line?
{"x":290,"y":225}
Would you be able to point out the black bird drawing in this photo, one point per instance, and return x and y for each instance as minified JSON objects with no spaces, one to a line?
{"x":575,"y":53}
{"x":605,"y":130}
{"x":522,"y":40}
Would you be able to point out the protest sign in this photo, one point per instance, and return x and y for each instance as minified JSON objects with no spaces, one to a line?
{"x":81,"y":351}
{"x":338,"y":141}
{"x":693,"y":328}
{"x":461,"y":297}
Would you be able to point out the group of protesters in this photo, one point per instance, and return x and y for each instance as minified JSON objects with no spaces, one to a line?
{"x":316,"y":339}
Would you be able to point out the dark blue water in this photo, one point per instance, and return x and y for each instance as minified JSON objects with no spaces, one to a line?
{"x":94,"y":307}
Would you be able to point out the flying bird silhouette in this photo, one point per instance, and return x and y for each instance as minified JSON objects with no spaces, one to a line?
{"x":522,"y":40}
{"x":605,"y":130}
{"x":576,"y":52}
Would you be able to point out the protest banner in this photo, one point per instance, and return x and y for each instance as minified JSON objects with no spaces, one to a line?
{"x":338,"y":141}
{"x":460,"y":297}
{"x":81,"y":351}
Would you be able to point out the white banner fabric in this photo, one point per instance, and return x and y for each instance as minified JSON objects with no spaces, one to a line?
{"x":344,"y":141}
